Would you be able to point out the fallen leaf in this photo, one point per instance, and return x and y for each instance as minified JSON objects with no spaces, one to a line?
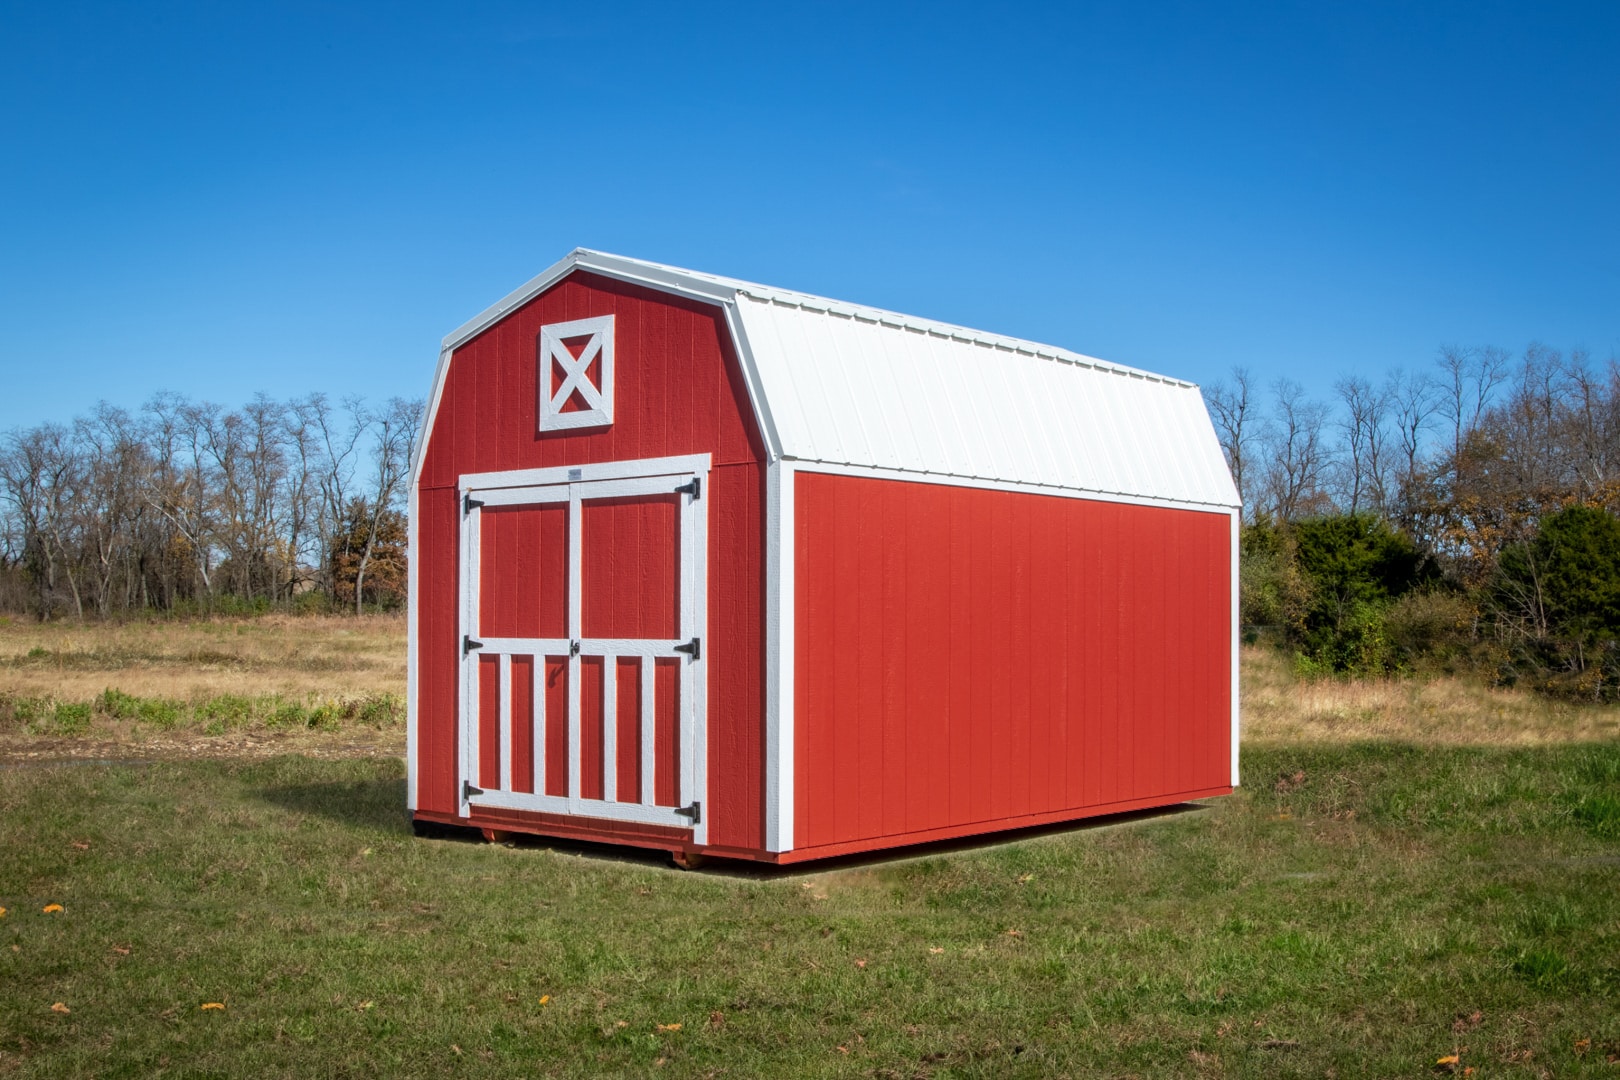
{"x":1015,"y":933}
{"x":366,"y":852}
{"x":81,"y":845}
{"x":364,"y":1005}
{"x":843,"y":1049}
{"x":660,"y":1063}
{"x":60,"y":1008}
{"x":935,"y":950}
{"x":545,"y":999}
{"x":669,"y":1027}
{"x":717,"y":1019}
{"x":1025,"y":879}
{"x":1468,"y":1071}
{"x":456,"y":1048}
{"x":1582,"y":1045}
{"x":860,"y":963}
{"x":622,"y":1023}
{"x":212,"y":1005}
{"x":121,"y":950}
{"x":50,"y":909}
{"x":2,"y":912}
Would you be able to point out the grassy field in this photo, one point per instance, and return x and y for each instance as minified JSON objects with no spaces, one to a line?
{"x":1410,"y":873}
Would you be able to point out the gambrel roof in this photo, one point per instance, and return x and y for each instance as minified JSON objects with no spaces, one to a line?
{"x":842,"y":384}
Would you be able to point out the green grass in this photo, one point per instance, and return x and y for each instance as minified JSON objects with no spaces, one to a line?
{"x":212,"y":715}
{"x":1347,"y":914}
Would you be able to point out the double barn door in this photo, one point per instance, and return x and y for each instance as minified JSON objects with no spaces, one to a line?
{"x":582,"y":650}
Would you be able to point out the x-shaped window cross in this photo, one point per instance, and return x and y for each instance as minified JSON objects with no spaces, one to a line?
{"x":574,"y":377}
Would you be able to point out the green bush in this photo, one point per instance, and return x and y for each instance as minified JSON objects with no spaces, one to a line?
{"x":1556,"y":598}
{"x":1357,"y":567}
{"x":1273,"y":593}
{"x":1433,"y":629}
{"x":70,"y":718}
{"x":159,"y":712}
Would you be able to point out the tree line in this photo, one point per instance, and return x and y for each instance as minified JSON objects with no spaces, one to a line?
{"x":1462,"y":516}
{"x":185,"y":506}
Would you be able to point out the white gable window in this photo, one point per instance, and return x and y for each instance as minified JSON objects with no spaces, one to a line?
{"x":576,"y":374}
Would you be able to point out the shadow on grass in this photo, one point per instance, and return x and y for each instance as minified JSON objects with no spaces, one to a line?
{"x":371,"y":804}
{"x":742,"y":868}
{"x":380,"y":804}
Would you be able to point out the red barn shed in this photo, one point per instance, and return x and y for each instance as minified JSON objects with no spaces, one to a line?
{"x":723,"y":569}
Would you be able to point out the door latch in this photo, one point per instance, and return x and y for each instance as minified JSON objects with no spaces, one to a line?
{"x":693,"y":648}
{"x":573,"y":648}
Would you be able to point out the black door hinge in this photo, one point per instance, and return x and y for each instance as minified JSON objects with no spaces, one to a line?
{"x":468,"y":791}
{"x":573,"y":648}
{"x":694,"y":489}
{"x":469,"y":643}
{"x":468,"y":502}
{"x":695,"y":812}
{"x":693,"y":648}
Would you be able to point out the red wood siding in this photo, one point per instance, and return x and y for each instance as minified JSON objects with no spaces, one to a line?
{"x":678,"y":390}
{"x":966,"y":656}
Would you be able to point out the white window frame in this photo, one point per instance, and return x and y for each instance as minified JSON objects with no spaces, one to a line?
{"x":598,"y":398}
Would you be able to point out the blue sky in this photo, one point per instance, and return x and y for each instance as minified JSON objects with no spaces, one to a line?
{"x":222,"y":199}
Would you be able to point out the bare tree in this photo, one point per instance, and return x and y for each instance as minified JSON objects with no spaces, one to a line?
{"x":397,"y":424}
{"x":1296,"y":455}
{"x":1365,"y":454}
{"x":1232,"y":407}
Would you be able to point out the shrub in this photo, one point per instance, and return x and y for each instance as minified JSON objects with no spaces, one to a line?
{"x":70,"y":718}
{"x":1433,"y":628}
{"x":1357,"y":566}
{"x":1273,"y":593}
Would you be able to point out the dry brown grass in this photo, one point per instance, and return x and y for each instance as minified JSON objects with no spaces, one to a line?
{"x":302,"y":658}
{"x":1280,"y":707}
{"x":293,"y":656}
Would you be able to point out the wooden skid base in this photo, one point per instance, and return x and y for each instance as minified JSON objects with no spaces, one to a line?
{"x":501,"y":825}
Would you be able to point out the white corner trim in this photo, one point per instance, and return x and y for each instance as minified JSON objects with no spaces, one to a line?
{"x":1237,"y":641}
{"x":413,"y":578}
{"x":779,"y":656}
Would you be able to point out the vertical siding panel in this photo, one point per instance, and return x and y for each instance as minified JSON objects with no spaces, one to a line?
{"x":963,"y":686}
{"x":627,"y":696}
{"x":866,"y":572}
{"x":667,"y":730}
{"x":892,"y":645}
{"x":1021,"y":669}
{"x":592,"y":672}
{"x":522,"y":732}
{"x":1115,"y":683}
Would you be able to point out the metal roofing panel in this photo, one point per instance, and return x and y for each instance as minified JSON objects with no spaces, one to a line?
{"x":872,"y":392}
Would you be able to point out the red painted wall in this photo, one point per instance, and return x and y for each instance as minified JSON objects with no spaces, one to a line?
{"x":678,"y":390}
{"x":968,"y":656}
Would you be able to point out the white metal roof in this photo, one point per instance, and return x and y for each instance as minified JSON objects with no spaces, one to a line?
{"x":847,"y":385}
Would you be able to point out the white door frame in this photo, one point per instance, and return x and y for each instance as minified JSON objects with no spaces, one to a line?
{"x":572,"y":486}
